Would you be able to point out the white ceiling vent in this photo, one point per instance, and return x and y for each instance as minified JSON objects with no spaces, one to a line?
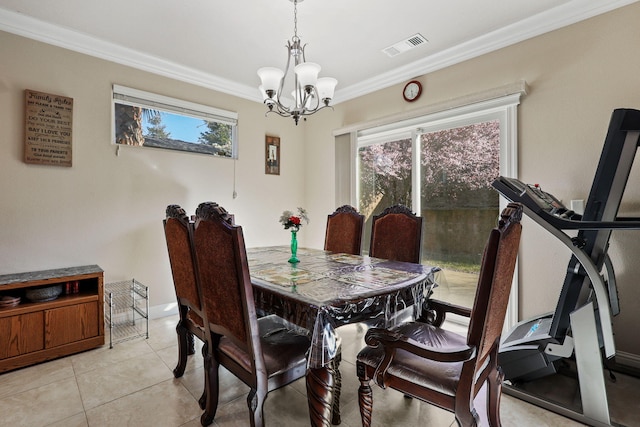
{"x":404,"y":45}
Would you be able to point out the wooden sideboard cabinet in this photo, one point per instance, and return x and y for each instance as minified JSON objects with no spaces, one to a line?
{"x":33,"y":332}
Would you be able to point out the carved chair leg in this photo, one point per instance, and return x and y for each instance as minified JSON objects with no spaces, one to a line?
{"x":191,"y":346}
{"x":182,"y":332}
{"x":465,"y":414}
{"x":494,"y":393}
{"x":365,"y":401}
{"x":335,"y":417}
{"x":211,"y":386}
{"x":255,"y":402}
{"x":202,"y":402}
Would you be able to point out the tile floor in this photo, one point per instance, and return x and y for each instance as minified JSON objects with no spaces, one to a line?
{"x":133,"y":385}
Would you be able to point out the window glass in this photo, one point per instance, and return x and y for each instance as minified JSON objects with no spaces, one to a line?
{"x":384,"y":179}
{"x":459,"y":206}
{"x":148,"y":120}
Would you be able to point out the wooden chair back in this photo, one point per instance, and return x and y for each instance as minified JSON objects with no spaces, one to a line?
{"x":494,"y":284}
{"x":344,"y":231}
{"x":224,"y":276}
{"x":178,"y":236}
{"x":396,"y":234}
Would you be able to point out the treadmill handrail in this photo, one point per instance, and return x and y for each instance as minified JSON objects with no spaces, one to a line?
{"x":597,"y":282}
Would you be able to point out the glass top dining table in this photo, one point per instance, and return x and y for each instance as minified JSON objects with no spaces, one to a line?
{"x":326,"y":290}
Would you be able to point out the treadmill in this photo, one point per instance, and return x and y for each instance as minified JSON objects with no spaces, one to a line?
{"x":580,"y":328}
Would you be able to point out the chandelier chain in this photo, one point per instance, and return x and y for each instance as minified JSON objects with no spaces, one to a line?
{"x":295,"y":19}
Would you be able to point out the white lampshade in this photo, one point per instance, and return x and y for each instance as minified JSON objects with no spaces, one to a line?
{"x":326,"y":86}
{"x":307,"y":73}
{"x":270,"y":77}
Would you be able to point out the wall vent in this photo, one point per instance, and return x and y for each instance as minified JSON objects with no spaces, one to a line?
{"x":405,"y":45}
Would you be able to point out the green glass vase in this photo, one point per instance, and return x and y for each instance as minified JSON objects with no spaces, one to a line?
{"x":294,"y":248}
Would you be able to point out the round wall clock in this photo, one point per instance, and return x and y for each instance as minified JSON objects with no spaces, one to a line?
{"x":412,"y":91}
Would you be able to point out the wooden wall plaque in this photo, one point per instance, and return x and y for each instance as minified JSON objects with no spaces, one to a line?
{"x":48,"y":124}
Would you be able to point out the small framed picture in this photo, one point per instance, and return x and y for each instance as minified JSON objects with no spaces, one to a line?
{"x":272,"y":155}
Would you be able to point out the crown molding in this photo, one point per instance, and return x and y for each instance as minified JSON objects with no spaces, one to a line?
{"x":561,"y":16}
{"x":565,"y":14}
{"x":36,"y":29}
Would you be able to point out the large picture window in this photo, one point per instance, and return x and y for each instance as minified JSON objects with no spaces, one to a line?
{"x":145,"y":119}
{"x":442,"y":166}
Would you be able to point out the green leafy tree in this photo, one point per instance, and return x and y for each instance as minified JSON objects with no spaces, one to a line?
{"x":156,"y":129}
{"x":217,"y":135}
{"x":459,"y":165}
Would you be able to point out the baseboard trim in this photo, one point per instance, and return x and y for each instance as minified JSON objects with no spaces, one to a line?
{"x":628,"y":359}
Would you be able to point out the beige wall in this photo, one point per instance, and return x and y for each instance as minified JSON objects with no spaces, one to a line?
{"x":108,"y":210}
{"x":576,"y":76}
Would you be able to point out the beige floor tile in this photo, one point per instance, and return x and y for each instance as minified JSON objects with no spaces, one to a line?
{"x":133,"y":385}
{"x":162,"y":332}
{"x":391,"y":409}
{"x":170,"y":356}
{"x":42,"y":406}
{"x":120,"y":379}
{"x":193,"y":381}
{"x":35,"y":376}
{"x":103,"y":357}
{"x":165,"y":404}
{"x":78,"y":420}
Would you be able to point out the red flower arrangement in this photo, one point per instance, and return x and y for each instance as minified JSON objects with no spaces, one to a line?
{"x":294,"y":222}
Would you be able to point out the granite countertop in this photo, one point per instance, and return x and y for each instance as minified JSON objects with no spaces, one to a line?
{"x":7,"y":279}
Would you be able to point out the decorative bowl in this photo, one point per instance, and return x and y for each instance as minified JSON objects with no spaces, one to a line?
{"x":7,"y":301}
{"x":48,"y":293}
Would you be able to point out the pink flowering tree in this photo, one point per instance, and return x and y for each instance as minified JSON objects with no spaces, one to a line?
{"x":459,"y":165}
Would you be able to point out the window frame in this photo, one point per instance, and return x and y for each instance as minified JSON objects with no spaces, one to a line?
{"x":147,"y":100}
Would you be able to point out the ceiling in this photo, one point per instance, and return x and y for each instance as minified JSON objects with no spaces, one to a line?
{"x":219,"y":44}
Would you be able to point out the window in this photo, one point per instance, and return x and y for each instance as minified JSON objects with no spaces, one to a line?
{"x":459,"y":206}
{"x":150,"y":120}
{"x":442,"y":166}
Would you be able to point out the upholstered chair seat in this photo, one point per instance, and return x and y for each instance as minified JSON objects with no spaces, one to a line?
{"x":431,"y":374}
{"x":283,"y":348}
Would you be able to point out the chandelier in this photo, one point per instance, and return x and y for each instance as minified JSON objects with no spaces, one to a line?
{"x":310,"y":93}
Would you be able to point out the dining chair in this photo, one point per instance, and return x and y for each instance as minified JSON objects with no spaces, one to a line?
{"x":178,"y":230}
{"x":396,"y":234}
{"x":344,"y":231}
{"x":425,"y":361}
{"x":264,"y":353}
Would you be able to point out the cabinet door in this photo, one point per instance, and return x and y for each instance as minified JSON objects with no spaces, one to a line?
{"x":65,"y":325}
{"x":21,"y":334}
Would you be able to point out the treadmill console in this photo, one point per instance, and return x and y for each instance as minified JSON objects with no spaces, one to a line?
{"x":533,"y":197}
